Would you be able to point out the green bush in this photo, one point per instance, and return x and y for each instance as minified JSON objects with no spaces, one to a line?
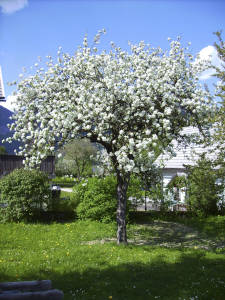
{"x":24,"y":195}
{"x":204,"y":192}
{"x":97,"y":199}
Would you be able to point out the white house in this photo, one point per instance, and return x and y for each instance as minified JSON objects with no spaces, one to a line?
{"x":184,"y":155}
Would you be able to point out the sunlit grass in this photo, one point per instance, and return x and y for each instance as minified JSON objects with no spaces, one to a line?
{"x":73,"y":257}
{"x":64,"y":194}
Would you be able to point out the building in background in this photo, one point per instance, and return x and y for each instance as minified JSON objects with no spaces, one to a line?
{"x":5,"y":118}
{"x":2,"y":92}
{"x":187,"y":155}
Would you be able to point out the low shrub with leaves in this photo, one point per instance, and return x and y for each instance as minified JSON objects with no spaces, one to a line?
{"x":97,"y":197}
{"x":24,"y":195}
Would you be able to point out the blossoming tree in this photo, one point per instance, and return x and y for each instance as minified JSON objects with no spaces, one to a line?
{"x":131,"y":102}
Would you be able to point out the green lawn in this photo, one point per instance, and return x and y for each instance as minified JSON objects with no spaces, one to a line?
{"x":164,"y":260}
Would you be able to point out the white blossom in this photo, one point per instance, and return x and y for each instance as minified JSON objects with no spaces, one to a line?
{"x":130,"y":102}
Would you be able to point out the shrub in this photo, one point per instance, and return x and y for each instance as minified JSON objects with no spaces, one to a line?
{"x":24,"y":194}
{"x":203,"y":188}
{"x":97,"y":199}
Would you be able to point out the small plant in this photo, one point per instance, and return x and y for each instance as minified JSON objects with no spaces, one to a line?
{"x":24,"y":194}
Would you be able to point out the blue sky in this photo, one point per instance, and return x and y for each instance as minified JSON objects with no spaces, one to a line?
{"x":32,"y":28}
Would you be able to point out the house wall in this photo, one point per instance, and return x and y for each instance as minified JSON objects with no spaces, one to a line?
{"x":8,"y":163}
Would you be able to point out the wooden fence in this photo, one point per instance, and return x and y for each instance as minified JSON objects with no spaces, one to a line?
{"x":10,"y":162}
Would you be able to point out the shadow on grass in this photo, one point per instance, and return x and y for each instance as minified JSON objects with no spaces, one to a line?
{"x":196,"y":275}
{"x":53,"y":217}
{"x":172,"y":235}
{"x":211,"y":225}
{"x":178,"y":230}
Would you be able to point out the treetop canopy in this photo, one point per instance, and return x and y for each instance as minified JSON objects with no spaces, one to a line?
{"x":132,"y":103}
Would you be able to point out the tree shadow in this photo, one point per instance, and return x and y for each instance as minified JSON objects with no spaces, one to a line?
{"x":170,"y":234}
{"x":195,"y":274}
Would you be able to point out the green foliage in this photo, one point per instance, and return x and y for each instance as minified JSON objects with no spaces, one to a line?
{"x":147,"y":183}
{"x":220,"y":71}
{"x":218,"y":137}
{"x":97,"y":197}
{"x":204,"y":192}
{"x":213,"y":226}
{"x":2,"y":150}
{"x":178,"y":182}
{"x":62,"y":168}
{"x":64,"y":181}
{"x":67,"y":203}
{"x":172,"y":191}
{"x":76,"y":159}
{"x":25,"y":194}
{"x":135,"y":191}
{"x":66,"y":167}
{"x":151,"y":177}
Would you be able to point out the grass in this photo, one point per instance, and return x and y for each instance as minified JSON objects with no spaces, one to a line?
{"x":73,"y":256}
{"x":64,"y":181}
{"x":64,"y":194}
{"x":213,"y":226}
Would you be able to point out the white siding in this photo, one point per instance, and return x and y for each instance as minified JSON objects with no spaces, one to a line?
{"x":184,"y":155}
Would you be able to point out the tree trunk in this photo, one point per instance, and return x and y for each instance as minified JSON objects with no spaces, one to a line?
{"x":122,"y":185}
{"x":145,"y":201}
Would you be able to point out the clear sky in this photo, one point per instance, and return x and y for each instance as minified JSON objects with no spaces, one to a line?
{"x":32,"y":28}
